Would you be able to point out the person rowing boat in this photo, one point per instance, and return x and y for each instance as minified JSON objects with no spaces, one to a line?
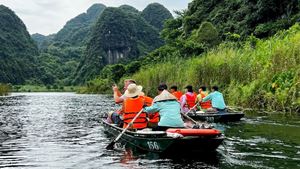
{"x":168,"y":108}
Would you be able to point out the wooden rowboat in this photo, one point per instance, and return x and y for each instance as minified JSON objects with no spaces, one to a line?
{"x":166,"y":142}
{"x":223,"y":116}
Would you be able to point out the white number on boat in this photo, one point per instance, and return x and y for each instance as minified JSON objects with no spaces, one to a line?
{"x":153,"y":145}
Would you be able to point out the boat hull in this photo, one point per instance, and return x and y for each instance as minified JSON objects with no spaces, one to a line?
{"x":161,"y":143}
{"x":222,"y":117}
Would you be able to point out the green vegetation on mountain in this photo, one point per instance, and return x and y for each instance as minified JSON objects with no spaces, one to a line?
{"x":129,"y":9}
{"x":42,"y":41}
{"x":60,"y":53}
{"x":230,"y":44}
{"x":263,"y":18}
{"x":156,"y":14}
{"x":80,"y":50}
{"x":76,"y":31}
{"x":17,"y":50}
{"x":59,"y":63}
{"x":118,"y":36}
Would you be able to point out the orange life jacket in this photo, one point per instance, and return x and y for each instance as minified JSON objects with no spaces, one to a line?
{"x":205,"y":105}
{"x":153,"y":117}
{"x":190,"y":100}
{"x":131,"y":107}
{"x":177,"y":94}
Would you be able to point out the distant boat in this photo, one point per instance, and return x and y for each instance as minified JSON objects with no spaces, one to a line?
{"x":190,"y":140}
{"x":222,"y":116}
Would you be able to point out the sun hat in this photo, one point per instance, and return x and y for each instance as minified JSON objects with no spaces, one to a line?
{"x":133,"y":90}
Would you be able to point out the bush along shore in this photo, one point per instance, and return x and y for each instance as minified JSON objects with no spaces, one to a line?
{"x":4,"y":89}
{"x":43,"y":88}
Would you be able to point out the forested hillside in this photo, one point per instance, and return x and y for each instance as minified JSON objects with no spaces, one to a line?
{"x":60,"y":53}
{"x":120,"y":35}
{"x":17,"y":50}
{"x":240,"y":46}
{"x":262,"y":18}
{"x":76,"y":31}
{"x":42,"y":41}
{"x":82,"y":48}
{"x":156,"y":14}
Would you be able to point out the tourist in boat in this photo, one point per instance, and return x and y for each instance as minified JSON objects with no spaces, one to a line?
{"x":175,"y":92}
{"x":187,"y":101}
{"x":132,"y":105}
{"x":203,"y":93}
{"x":217,"y":100}
{"x":118,"y":97}
{"x":153,"y":118}
{"x":168,"y":108}
{"x":114,"y":117}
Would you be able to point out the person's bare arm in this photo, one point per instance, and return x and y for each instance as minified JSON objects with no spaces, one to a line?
{"x":117,"y":94}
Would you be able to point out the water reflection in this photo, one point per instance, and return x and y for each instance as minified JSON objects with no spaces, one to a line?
{"x":62,"y":130}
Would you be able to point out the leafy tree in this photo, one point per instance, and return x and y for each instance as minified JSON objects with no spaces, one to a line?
{"x":207,"y":34}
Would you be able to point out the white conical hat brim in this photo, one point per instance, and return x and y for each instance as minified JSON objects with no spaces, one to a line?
{"x":165,"y":95}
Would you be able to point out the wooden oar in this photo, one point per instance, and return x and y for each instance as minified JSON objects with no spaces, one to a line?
{"x":188,"y":117}
{"x":110,"y":146}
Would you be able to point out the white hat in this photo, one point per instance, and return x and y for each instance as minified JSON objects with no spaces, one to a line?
{"x":133,"y":90}
{"x":164,"y":95}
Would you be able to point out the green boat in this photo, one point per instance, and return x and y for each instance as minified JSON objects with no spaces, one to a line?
{"x":222,"y":116}
{"x":164,"y":142}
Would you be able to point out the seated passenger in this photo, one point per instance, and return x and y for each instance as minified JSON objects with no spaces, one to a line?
{"x":168,"y":108}
{"x":153,"y":118}
{"x":203,"y":93}
{"x":114,"y":117}
{"x":175,"y":92}
{"x":118,"y":97}
{"x":132,"y":105}
{"x":188,"y":100}
{"x":217,"y":100}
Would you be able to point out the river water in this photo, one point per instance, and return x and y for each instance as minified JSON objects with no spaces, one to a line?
{"x":62,"y":130}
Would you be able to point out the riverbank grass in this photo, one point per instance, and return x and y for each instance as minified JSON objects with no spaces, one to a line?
{"x":42,"y":88}
{"x":4,"y":89}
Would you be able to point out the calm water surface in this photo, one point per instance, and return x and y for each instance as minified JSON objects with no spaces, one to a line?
{"x":62,"y":130}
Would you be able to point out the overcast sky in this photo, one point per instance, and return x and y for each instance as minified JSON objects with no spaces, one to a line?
{"x":49,"y":16}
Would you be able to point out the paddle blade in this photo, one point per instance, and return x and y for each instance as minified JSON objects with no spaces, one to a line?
{"x":110,"y":146}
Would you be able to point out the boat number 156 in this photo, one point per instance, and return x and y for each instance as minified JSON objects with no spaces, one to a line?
{"x":153,"y":145}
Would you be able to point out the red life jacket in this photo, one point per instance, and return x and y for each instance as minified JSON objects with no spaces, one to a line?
{"x":131,"y":107}
{"x":190,"y":100}
{"x":177,"y":94}
{"x":153,"y":117}
{"x":205,"y":105}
